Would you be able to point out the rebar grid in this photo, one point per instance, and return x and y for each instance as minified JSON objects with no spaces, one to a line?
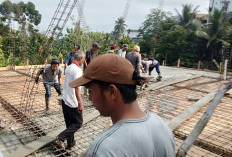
{"x":9,"y":142}
{"x":218,"y":131}
{"x":21,"y":118}
{"x":203,"y":84}
{"x":12,"y":92}
{"x":167,"y":102}
{"x":195,"y":151}
{"x":197,"y":81}
{"x":83,"y":137}
{"x":145,"y":100}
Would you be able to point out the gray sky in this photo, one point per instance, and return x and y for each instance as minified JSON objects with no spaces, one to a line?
{"x":100,"y":15}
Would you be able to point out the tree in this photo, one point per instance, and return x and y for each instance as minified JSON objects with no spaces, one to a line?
{"x":151,"y":30}
{"x":217,"y":34}
{"x":172,"y":44}
{"x":23,"y":13}
{"x":119,"y":28}
{"x":187,"y":14}
{"x":6,"y":8}
{"x":2,"y":58}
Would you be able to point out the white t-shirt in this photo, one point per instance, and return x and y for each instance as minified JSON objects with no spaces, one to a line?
{"x":72,"y":72}
{"x":122,"y":53}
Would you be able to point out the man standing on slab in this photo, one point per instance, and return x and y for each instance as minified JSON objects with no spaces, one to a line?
{"x":50,"y":73}
{"x":72,"y":104}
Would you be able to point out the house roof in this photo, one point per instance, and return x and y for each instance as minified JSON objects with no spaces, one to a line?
{"x":202,"y":16}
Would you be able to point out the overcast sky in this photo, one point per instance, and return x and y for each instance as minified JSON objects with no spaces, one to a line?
{"x":100,"y":15}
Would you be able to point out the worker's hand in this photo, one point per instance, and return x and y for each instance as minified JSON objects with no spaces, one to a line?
{"x":80,"y":107}
{"x":41,"y":71}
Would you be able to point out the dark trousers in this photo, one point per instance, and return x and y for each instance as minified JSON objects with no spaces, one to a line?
{"x":156,"y":67}
{"x":48,"y":86}
{"x":73,"y":120}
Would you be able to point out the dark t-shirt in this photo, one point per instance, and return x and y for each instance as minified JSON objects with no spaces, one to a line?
{"x":89,"y":56}
{"x":69,"y":58}
{"x":135,"y":59}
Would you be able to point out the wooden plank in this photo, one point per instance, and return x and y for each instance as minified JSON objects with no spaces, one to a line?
{"x":192,"y":109}
{"x":183,"y":150}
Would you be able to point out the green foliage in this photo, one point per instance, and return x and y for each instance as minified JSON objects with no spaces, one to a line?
{"x":2,"y":58}
{"x":165,"y":37}
{"x":185,"y":37}
{"x":187,"y":14}
{"x":119,"y":29}
{"x":151,"y":30}
{"x":23,"y":13}
{"x":126,"y":40}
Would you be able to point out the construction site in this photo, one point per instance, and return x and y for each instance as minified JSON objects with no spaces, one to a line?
{"x":181,"y":99}
{"x":184,"y":94}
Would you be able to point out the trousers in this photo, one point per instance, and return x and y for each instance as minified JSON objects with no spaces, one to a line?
{"x":156,"y":67}
{"x":73,"y":120}
{"x":48,"y":86}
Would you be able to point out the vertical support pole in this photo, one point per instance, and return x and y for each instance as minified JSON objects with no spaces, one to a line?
{"x":199,"y":65}
{"x":27,"y":62}
{"x":225,"y":69}
{"x":178,"y":63}
{"x":163,"y":63}
{"x":220,"y":67}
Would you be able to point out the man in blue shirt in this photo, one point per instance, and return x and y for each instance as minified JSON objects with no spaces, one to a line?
{"x":70,"y":56}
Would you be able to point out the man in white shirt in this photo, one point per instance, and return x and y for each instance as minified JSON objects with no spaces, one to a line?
{"x":122,"y":52}
{"x":72,"y":103}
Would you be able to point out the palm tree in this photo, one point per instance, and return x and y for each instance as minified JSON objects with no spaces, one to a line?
{"x":119,"y":28}
{"x":187,"y":15}
{"x":216,"y":34}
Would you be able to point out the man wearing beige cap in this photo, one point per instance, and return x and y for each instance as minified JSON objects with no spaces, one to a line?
{"x":111,"y":81}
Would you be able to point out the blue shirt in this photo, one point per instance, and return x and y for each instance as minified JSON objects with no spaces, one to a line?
{"x":145,"y":137}
{"x":69,"y":58}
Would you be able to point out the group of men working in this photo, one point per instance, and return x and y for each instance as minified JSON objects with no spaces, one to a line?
{"x":111,"y":81}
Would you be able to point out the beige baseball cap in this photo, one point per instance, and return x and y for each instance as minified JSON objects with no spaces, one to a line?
{"x":109,"y":68}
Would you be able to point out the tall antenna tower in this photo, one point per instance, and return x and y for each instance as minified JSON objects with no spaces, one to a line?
{"x":80,"y":9}
{"x":161,"y":3}
{"x":126,"y":9}
{"x":225,"y":4}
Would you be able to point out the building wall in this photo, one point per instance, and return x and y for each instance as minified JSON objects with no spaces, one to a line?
{"x":133,"y":34}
